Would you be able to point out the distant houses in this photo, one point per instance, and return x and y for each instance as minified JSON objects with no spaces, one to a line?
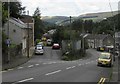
{"x":18,"y":32}
{"x":117,"y":37}
{"x":96,"y":40}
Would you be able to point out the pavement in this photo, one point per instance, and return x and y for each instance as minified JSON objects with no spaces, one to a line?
{"x":15,"y":63}
{"x":115,"y":70}
{"x":18,"y":61}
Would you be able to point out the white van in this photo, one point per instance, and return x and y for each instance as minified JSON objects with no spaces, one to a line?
{"x":49,"y":42}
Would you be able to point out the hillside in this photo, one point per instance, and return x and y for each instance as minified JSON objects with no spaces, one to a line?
{"x":63,"y":20}
{"x":97,"y":16}
{"x":53,"y":19}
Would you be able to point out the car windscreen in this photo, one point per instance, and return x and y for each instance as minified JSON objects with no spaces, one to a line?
{"x":104,"y":56}
{"x":39,"y":45}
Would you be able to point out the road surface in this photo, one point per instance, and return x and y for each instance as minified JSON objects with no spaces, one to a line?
{"x":49,"y":68}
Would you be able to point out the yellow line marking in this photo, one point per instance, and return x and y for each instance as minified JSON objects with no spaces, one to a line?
{"x":102,"y":80}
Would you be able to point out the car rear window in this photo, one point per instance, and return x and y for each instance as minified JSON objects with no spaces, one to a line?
{"x":56,"y":44}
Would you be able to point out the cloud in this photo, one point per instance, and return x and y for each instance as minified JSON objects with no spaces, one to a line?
{"x":69,"y":7}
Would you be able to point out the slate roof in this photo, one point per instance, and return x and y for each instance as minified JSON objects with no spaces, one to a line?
{"x":97,"y":36}
{"x":27,"y":19}
{"x":18,"y":22}
{"x":117,"y":34}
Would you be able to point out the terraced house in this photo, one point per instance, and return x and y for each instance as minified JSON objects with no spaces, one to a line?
{"x":97,"y":40}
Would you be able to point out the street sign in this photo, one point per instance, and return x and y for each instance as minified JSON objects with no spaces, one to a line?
{"x":8,"y":41}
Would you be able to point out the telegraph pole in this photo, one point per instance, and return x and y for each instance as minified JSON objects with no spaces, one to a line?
{"x":114,"y":44}
{"x":70,"y":36}
{"x":8,"y":40}
{"x":83,"y":36}
{"x":28,"y":35}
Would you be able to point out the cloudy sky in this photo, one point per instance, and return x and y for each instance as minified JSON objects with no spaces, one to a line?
{"x":69,"y":7}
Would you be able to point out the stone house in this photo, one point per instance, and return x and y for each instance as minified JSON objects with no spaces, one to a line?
{"x":97,"y":40}
{"x":18,"y":33}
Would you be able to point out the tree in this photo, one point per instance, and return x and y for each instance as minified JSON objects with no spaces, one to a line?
{"x":39,"y":26}
{"x":77,"y":25}
{"x":16,"y":8}
{"x":88,"y":26}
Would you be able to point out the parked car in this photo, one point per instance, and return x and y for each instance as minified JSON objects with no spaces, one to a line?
{"x":40,"y":44}
{"x":49,"y":42}
{"x":56,"y":46}
{"x":39,"y":49}
{"x":100,"y":48}
{"x":105,"y":59}
{"x":117,"y":53}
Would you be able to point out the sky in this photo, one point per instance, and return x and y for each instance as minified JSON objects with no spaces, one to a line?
{"x":69,"y":7}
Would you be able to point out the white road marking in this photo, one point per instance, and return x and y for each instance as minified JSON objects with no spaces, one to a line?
{"x":54,"y":62}
{"x":30,"y":66}
{"x":49,"y":63}
{"x":79,"y":64}
{"x":20,"y":67}
{"x":44,"y":63}
{"x":86,"y":63}
{"x":10,"y":69}
{"x":53,"y":72}
{"x":73,"y":66}
{"x":3,"y":71}
{"x":36,"y":64}
{"x":68,"y":68}
{"x":25,"y":80}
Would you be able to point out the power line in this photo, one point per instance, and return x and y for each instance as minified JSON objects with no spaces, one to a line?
{"x":111,"y":8}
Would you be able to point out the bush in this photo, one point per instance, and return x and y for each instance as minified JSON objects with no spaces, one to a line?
{"x":65,"y":58}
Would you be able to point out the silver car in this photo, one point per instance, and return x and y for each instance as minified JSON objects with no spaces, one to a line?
{"x":39,"y":50}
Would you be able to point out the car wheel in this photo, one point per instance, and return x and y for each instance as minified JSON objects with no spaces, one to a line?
{"x":110,"y":65}
{"x":98,"y":65}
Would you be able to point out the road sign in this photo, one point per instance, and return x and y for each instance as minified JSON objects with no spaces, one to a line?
{"x":8,"y":41}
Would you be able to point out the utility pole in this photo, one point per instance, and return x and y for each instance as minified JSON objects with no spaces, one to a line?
{"x":28,"y":34}
{"x":8,"y":40}
{"x":70,"y":36}
{"x":83,"y":36}
{"x":114,"y":44}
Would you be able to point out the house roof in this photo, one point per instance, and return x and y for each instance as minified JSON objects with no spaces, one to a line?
{"x":97,"y":36}
{"x":18,"y":22}
{"x":27,"y":19}
{"x":117,"y":34}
